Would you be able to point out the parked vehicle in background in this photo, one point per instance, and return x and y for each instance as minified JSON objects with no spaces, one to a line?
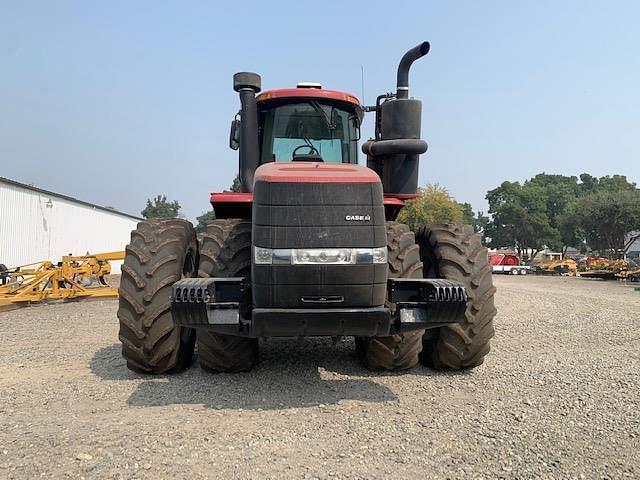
{"x":566,"y":267}
{"x":604,"y":268}
{"x":508,"y":263}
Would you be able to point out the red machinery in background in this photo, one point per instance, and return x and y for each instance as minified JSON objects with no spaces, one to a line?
{"x":507,"y":263}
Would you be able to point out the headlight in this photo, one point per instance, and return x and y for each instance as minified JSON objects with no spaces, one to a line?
{"x":262,"y":256}
{"x":380,"y":255}
{"x":323,"y":256}
{"x":319,"y":256}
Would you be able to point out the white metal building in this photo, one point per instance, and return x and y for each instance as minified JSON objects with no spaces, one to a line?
{"x":37,"y":225}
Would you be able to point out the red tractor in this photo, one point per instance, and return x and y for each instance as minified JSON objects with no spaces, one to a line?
{"x":310,"y":247}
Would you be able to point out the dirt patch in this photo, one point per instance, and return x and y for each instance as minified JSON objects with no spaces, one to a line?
{"x":557,"y":397}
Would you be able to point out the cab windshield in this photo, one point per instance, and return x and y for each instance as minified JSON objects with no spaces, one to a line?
{"x":308,"y":128}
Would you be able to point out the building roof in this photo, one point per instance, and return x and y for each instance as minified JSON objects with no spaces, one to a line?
{"x":66,"y":197}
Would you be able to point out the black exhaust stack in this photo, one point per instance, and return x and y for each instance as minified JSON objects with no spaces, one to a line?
{"x":402,"y":85}
{"x":395,"y":152}
{"x":247,"y":84}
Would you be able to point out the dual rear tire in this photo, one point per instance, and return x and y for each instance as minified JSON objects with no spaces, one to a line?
{"x":455,"y":252}
{"x":225,"y":251}
{"x":395,"y":352}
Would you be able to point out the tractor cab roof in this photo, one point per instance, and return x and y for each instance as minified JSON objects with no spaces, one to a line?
{"x":308,"y":91}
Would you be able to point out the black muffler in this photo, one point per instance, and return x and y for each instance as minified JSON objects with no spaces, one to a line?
{"x":395,"y":152}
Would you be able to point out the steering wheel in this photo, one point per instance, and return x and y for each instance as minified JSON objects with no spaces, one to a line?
{"x":311,"y":148}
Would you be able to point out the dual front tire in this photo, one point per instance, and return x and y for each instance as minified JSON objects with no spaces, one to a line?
{"x":160,"y":253}
{"x":452,"y":252}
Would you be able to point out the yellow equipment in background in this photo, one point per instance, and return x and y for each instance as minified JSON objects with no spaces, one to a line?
{"x":566,"y":267}
{"x":74,"y":277}
{"x":604,"y":269}
{"x":629,"y":275}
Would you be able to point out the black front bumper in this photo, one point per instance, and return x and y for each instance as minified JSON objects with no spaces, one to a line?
{"x":224,"y":306}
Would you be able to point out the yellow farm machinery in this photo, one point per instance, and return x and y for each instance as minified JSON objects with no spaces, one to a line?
{"x":604,"y":269}
{"x":631,"y":273}
{"x":74,"y":277}
{"x":593,"y":267}
{"x":566,"y":267}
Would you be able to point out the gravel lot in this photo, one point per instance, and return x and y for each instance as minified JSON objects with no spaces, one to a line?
{"x":558,"y":397}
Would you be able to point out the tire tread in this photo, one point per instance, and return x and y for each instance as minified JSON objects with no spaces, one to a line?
{"x":154,"y":260}
{"x":455,"y":252}
{"x":225,"y":251}
{"x":395,"y":352}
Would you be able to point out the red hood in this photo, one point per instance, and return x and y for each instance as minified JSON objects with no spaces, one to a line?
{"x":314,"y":172}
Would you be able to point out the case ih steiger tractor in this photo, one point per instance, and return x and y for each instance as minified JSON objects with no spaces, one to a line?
{"x":310,"y":247}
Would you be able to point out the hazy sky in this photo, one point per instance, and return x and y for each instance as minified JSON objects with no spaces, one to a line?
{"x":114,"y":102}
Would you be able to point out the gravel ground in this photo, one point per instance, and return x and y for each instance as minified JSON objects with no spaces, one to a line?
{"x":558,"y":397}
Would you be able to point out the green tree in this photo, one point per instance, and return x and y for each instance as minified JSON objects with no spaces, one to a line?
{"x":435,"y":205}
{"x":588,"y":184}
{"x":615,"y":183}
{"x":236,"y":186}
{"x":519,"y":218}
{"x":468,"y":216}
{"x":161,"y":208}
{"x":571,"y":230}
{"x":478,"y":219}
{"x":543,"y":210}
{"x":209,"y":216}
{"x":205,"y":219}
{"x":557,"y":191}
{"x":481,"y":224}
{"x":605,"y":219}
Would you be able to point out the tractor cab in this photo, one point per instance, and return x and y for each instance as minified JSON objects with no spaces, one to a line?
{"x":308,"y":123}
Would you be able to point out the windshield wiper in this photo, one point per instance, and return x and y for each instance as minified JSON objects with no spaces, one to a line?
{"x":316,"y":106}
{"x":308,"y":142}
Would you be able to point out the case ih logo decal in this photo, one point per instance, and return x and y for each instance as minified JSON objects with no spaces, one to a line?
{"x":358,"y":218}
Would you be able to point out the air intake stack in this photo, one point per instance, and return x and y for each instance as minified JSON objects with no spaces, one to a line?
{"x":248,"y":84}
{"x":395,"y":152}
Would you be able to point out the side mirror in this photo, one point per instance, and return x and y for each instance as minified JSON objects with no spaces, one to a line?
{"x":356,"y":128}
{"x":234,"y":135}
